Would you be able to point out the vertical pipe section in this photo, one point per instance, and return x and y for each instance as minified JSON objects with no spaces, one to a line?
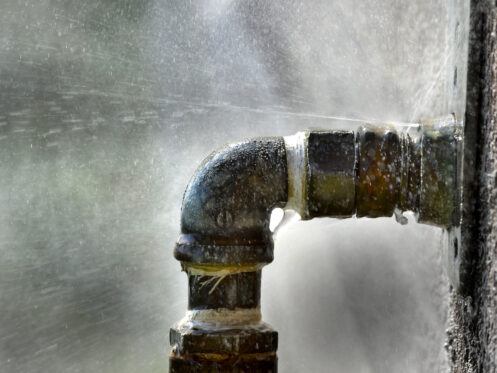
{"x":224,"y":244}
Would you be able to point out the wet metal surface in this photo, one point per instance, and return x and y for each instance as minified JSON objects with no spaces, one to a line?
{"x":247,"y":181}
{"x":107,"y":108}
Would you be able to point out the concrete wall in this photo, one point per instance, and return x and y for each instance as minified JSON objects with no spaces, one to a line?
{"x":472,"y":334}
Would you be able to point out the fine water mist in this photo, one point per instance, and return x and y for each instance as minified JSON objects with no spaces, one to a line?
{"x":106,"y":110}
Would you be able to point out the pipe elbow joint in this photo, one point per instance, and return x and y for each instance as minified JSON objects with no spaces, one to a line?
{"x":227,"y":204}
{"x":225,"y":238}
{"x":373,"y":172}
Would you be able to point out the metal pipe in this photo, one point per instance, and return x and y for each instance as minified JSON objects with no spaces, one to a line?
{"x":225,"y":238}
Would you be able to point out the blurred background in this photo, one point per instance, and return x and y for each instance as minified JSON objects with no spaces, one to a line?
{"x":107,"y":108}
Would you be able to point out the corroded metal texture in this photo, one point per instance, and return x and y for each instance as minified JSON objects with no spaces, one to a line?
{"x":439,"y":193}
{"x":410,"y":170}
{"x":226,"y":240}
{"x":378,"y":172}
{"x":237,"y":349}
{"x":331,"y":156}
{"x":239,"y":290}
{"x":225,"y":214}
{"x":257,"y":363}
{"x":235,"y":341}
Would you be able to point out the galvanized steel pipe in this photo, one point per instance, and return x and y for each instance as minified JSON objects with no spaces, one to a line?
{"x":225,"y":238}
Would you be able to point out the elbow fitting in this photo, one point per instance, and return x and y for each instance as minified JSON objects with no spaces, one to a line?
{"x":227,"y":204}
{"x":224,"y":243}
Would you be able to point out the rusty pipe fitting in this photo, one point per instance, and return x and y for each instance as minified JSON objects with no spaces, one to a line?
{"x":376,"y":172}
{"x":226,"y":240}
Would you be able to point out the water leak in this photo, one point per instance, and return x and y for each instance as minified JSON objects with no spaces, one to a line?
{"x":107,"y":109}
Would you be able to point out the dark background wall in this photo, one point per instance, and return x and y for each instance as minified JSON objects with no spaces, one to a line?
{"x":472,"y":343}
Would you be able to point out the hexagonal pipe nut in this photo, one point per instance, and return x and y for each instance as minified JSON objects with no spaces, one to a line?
{"x":243,"y":349}
{"x":331,"y":176}
{"x":378,"y":173}
{"x":439,"y":193}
